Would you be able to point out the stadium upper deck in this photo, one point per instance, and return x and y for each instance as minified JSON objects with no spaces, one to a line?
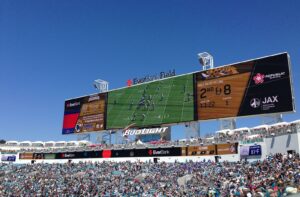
{"x":269,"y":138}
{"x":244,"y":135}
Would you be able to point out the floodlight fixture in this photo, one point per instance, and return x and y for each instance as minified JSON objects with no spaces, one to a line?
{"x":206,"y":60}
{"x":101,"y":85}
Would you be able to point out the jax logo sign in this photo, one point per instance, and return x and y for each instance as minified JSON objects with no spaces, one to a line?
{"x":264,"y":103}
{"x":148,"y":78}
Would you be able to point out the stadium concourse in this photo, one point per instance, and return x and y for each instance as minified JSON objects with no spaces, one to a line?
{"x":259,"y":161}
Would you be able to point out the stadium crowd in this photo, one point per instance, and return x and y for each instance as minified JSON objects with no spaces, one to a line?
{"x":278,"y":175}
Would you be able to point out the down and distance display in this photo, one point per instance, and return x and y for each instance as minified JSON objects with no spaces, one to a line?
{"x":254,"y":87}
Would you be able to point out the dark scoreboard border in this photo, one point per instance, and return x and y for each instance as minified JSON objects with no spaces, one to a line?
{"x":195,"y":96}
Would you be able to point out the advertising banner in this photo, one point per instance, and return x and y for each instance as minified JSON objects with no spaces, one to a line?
{"x":255,"y":150}
{"x":38,"y":156}
{"x":244,"y":150}
{"x":123,"y":153}
{"x":250,"y":150}
{"x":202,"y":150}
{"x":155,"y":152}
{"x":26,"y":156}
{"x":85,"y":114}
{"x":69,"y":155}
{"x":49,"y":156}
{"x":8,"y":158}
{"x":183,"y":151}
{"x":79,"y":155}
{"x":158,"y":152}
{"x":224,"y":149}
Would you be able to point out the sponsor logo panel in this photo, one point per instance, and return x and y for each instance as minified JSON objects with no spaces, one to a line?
{"x":201,"y":150}
{"x":260,"y":78}
{"x":144,"y":131}
{"x":38,"y":156}
{"x":224,"y":149}
{"x":250,"y":150}
{"x":148,"y":78}
{"x":85,"y":114}
{"x":264,"y":103}
{"x":25,"y":155}
{"x":73,"y":104}
{"x":255,"y":150}
{"x":8,"y":157}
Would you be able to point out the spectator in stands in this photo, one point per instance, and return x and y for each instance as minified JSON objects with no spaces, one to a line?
{"x":275,"y":176}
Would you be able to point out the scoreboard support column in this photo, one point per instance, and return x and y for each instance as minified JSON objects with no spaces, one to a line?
{"x":272,"y":119}
{"x":102,"y":86}
{"x":228,"y":124}
{"x":207,"y":62}
{"x":83,"y":137}
{"x":192,"y":130}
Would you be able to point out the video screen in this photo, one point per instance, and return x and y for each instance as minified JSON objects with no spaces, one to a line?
{"x":221,"y":90}
{"x":161,"y":102}
{"x":85,"y":114}
{"x":254,"y":87}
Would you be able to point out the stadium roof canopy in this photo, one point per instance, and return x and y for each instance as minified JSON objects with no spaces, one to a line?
{"x":241,"y":129}
{"x":13,"y":142}
{"x":264,"y":126}
{"x":37,"y":142}
{"x":280,"y":124}
{"x":71,"y":143}
{"x":50,"y":142}
{"x":25,"y":142}
{"x":224,"y":131}
{"x":295,"y":122}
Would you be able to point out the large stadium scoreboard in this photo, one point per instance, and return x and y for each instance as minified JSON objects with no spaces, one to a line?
{"x":255,"y":87}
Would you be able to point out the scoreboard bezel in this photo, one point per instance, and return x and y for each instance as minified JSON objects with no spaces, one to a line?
{"x":196,"y":94}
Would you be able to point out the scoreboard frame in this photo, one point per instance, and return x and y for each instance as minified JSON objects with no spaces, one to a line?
{"x":255,"y":70}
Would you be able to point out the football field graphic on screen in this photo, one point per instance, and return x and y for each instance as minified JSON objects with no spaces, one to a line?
{"x":160,"y":102}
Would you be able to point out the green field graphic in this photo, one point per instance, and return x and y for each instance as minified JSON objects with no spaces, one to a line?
{"x":160,"y":102}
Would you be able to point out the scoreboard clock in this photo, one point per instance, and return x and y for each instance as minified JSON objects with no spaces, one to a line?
{"x":221,"y":90}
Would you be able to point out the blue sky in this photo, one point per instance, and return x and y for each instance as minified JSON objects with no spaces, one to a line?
{"x":52,"y":50}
